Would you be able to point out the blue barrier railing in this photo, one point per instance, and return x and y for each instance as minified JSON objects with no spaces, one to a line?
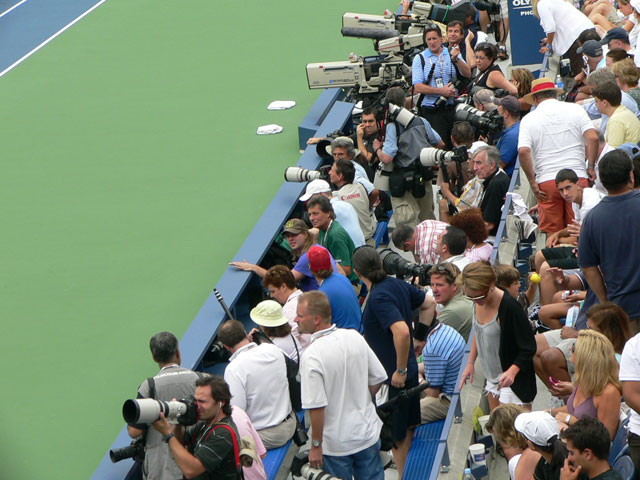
{"x":441,"y":455}
{"x":506,"y":210}
{"x":232,"y":284}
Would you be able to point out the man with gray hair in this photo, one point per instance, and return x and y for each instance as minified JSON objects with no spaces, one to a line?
{"x":343,"y":148}
{"x":555,"y":136}
{"x":173,"y":381}
{"x":486,"y":166}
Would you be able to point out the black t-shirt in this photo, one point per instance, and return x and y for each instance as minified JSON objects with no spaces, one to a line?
{"x":368,"y":143}
{"x":610,"y":474}
{"x":495,"y":190}
{"x":213,"y":446}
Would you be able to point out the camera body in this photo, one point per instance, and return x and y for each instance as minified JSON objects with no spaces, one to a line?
{"x":300,"y":468}
{"x":135,"y":450}
{"x":394,"y":264}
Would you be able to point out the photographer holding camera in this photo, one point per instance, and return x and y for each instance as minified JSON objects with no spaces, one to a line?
{"x":434,"y":73}
{"x":402,"y":147}
{"x":173,"y":381}
{"x":388,"y":328}
{"x":209,"y":449}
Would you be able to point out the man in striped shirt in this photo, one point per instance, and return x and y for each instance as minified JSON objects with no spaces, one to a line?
{"x":441,"y":361}
{"x":422,"y":240}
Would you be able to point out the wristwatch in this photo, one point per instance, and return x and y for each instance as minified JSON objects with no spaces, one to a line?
{"x":166,"y":438}
{"x":402,"y":371}
{"x":316,"y":443}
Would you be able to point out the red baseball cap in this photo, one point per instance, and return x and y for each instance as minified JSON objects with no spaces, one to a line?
{"x":319,"y":258}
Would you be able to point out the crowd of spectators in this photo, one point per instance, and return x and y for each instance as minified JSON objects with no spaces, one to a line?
{"x":360,"y":336}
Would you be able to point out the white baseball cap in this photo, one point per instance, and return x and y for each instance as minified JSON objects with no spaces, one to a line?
{"x":314,"y":187}
{"x":538,"y":427}
{"x":476,"y":145}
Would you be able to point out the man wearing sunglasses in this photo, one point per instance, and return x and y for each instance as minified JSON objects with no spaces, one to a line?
{"x":457,"y":311}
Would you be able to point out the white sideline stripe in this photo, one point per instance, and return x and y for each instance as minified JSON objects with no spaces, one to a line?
{"x":68,"y":25}
{"x":10,"y":9}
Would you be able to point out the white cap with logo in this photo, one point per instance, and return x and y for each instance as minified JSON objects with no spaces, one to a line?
{"x":314,"y":187}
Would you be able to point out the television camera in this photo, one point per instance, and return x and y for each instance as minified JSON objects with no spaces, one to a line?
{"x":379,"y":27}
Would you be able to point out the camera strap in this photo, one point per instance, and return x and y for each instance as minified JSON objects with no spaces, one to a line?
{"x":429,"y":76}
{"x":152,"y":387}
{"x":236,"y":449}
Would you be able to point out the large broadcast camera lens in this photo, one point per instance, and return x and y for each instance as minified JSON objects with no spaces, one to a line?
{"x":147,"y":410}
{"x":485,"y":122}
{"x":432,"y":156}
{"x":400,"y":115}
{"x":299,"y":174}
{"x":394,"y":264}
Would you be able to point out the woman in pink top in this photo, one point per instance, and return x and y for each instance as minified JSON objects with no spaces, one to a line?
{"x":246,"y":428}
{"x":471,"y":222}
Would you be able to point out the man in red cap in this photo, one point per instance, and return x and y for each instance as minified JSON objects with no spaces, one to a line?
{"x":552,"y":137}
{"x":345,"y":308}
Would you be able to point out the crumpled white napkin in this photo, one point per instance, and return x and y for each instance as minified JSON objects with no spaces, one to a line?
{"x":269,"y":129}
{"x":281,"y":105}
{"x":521,"y":211}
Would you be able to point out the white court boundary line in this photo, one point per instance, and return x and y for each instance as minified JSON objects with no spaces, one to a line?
{"x":10,"y":9}
{"x":34,"y":50}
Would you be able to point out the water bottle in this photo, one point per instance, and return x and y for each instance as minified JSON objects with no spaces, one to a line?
{"x":467,"y":474}
{"x":572,"y":316}
{"x":559,"y":83}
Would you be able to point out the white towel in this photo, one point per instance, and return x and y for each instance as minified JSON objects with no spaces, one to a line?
{"x":281,"y":105}
{"x":269,"y":129}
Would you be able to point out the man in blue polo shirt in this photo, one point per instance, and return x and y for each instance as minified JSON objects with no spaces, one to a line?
{"x":441,"y":361}
{"x":345,"y":308}
{"x":609,"y":238}
{"x":509,"y":108}
{"x":433,"y":74}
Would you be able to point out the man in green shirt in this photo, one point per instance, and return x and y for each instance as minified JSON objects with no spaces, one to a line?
{"x":457,"y":311}
{"x":331,"y":235}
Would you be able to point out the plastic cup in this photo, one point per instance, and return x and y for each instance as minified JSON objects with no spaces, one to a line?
{"x":477,"y":454}
{"x":483,"y":421}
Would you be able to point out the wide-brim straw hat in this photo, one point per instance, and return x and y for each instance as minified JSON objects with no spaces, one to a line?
{"x":541,"y":85}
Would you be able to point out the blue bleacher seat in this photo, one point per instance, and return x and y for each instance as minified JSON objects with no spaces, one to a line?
{"x":426,"y":440}
{"x":624,"y":466}
{"x":619,"y":441}
{"x":274,"y":458}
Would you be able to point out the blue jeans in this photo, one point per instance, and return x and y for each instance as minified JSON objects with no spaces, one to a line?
{"x":363,"y":465}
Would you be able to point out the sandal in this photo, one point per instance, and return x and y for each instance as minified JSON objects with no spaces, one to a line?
{"x":502,"y":53}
